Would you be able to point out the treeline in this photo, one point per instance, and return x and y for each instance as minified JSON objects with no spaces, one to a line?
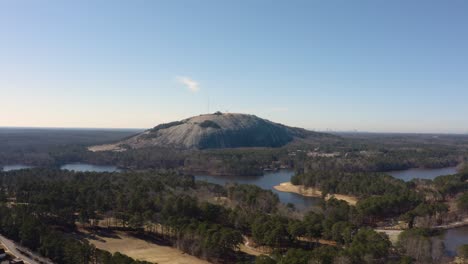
{"x":366,"y":158}
{"x":141,"y":201}
{"x":451,"y":185}
{"x":337,"y":222}
{"x":180,"y":210}
{"x":135,"y":199}
{"x":367,"y":246}
{"x":37,"y":146}
{"x":422,"y":245}
{"x":41,"y":149}
{"x":24,"y":225}
{"x":371,"y":159}
{"x":166,"y":200}
{"x":439,"y":193}
{"x":381,"y":196}
{"x":361,"y":184}
{"x":216,"y":162}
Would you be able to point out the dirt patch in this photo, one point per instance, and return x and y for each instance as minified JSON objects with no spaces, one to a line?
{"x":108,"y":147}
{"x":318,"y":240}
{"x":392,"y":234}
{"x":250,"y":248}
{"x":313,"y":192}
{"x":223,"y":201}
{"x":250,"y":251}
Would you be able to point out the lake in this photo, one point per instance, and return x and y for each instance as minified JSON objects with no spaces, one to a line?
{"x":80,"y":167}
{"x":453,"y":238}
{"x":267,"y":181}
{"x":16,"y":167}
{"x":270,"y":179}
{"x":85,"y":167}
{"x":428,"y":174}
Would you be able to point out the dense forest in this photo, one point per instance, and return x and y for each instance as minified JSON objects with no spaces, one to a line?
{"x":46,"y":209}
{"x":60,"y":200}
{"x":381,"y":196}
{"x":351,"y":153}
{"x":421,"y":204}
{"x":40,"y":146}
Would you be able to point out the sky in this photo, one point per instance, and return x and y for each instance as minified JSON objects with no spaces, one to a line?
{"x":377,"y":66}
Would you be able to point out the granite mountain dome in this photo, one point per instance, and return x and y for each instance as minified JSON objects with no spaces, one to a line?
{"x":218,"y":130}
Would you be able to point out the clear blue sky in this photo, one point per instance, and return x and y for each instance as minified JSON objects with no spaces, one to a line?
{"x":367,"y":65}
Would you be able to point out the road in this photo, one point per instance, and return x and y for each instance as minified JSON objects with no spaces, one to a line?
{"x":12,"y":248}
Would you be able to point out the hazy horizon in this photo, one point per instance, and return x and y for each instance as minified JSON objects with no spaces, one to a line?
{"x":312,"y":129}
{"x":370,"y":66}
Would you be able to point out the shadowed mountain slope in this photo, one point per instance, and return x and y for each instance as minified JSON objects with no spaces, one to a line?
{"x":218,"y":130}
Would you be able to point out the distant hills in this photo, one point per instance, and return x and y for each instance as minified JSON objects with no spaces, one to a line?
{"x":212,"y":131}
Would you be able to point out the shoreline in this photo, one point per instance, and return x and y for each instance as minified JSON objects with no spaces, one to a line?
{"x":313,"y":192}
{"x":453,"y":225}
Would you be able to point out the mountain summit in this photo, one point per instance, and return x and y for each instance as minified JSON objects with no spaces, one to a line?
{"x":218,"y":130}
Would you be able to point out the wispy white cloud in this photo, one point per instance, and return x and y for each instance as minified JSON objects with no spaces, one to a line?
{"x":189,"y":83}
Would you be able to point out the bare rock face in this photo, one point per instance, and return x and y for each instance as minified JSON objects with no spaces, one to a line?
{"x":218,"y":130}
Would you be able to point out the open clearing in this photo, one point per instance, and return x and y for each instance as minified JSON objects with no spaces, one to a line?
{"x":392,"y":234}
{"x":142,"y":250}
{"x":107,"y":147}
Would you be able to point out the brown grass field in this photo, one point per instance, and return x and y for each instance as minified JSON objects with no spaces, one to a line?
{"x":140,"y":249}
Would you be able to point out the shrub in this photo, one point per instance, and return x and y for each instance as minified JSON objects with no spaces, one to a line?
{"x":166,"y":125}
{"x":209,"y":123}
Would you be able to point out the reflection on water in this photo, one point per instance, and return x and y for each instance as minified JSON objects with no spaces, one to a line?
{"x":84,"y":167}
{"x":453,"y":238}
{"x":81,"y":167}
{"x":15,"y":167}
{"x":266,"y":181}
{"x":429,"y":174}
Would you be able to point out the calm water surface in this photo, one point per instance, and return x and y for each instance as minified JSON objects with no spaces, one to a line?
{"x":84,"y":167}
{"x":267,"y":181}
{"x":15,"y":167}
{"x":453,"y":238}
{"x":429,"y":174}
